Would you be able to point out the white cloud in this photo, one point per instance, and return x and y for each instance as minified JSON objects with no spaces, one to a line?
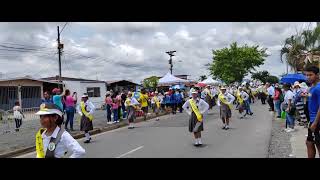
{"x":135,"y":50}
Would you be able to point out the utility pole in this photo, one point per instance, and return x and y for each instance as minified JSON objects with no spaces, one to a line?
{"x":60,"y":47}
{"x":170,"y":53}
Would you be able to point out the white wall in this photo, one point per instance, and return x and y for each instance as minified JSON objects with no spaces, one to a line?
{"x":97,"y":101}
{"x":80,"y":88}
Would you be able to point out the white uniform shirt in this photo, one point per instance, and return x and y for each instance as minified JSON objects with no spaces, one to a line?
{"x":229,"y":98}
{"x":16,"y":112}
{"x":288,"y":95}
{"x":270,"y":91}
{"x":245,"y":96}
{"x":66,"y":144}
{"x":202,"y":106}
{"x":90,"y":107}
{"x":214,"y":91}
{"x":133,"y":101}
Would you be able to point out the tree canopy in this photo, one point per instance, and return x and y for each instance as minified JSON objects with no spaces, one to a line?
{"x":151,"y":82}
{"x":264,"y":76}
{"x":234,"y":63}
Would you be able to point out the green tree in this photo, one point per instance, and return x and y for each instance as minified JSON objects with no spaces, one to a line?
{"x":151,"y":82}
{"x":297,"y":47}
{"x":272,"y":79}
{"x":234,"y":63}
{"x":261,"y":75}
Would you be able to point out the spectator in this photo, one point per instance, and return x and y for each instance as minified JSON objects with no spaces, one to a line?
{"x":70,"y":106}
{"x":108,"y":102}
{"x":46,"y":98}
{"x":17,"y":115}
{"x":289,"y":107}
{"x":313,"y":138}
{"x":276,"y":100}
{"x":270,"y":91}
{"x":299,"y":103}
{"x":115,"y":107}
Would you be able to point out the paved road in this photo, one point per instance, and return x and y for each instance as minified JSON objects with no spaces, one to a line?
{"x":169,"y":138}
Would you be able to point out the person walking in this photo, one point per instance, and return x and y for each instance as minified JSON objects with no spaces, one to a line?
{"x":246,"y":99}
{"x":131,"y":105}
{"x":225,"y":101}
{"x":144,"y":103}
{"x":17,"y":115}
{"x":196,"y":108}
{"x":85,"y":110}
{"x":174,"y":101}
{"x":51,"y":140}
{"x":179,"y":96}
{"x":123,"y":107}
{"x":70,"y":106}
{"x":313,"y":139}
{"x":208,"y":96}
{"x":270,"y":91}
{"x":289,"y":107}
{"x":108,"y":102}
{"x":156,"y":104}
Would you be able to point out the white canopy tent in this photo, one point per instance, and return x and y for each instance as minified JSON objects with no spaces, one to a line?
{"x":210,"y":81}
{"x":169,"y":80}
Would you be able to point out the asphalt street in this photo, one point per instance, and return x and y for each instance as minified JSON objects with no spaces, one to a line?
{"x":169,"y":138}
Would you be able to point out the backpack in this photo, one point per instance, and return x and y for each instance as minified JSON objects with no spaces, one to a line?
{"x":281,"y":98}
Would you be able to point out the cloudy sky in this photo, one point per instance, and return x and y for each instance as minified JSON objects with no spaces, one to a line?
{"x":135,"y":50}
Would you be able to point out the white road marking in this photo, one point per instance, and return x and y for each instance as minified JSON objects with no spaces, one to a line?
{"x":136,"y":149}
{"x":99,"y":134}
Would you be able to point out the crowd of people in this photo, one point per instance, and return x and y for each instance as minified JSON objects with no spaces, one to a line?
{"x":298,"y":102}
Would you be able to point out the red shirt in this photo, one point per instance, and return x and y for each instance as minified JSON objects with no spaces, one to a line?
{"x":276,"y":95}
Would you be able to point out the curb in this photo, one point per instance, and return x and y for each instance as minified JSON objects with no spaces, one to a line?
{"x":79,"y":135}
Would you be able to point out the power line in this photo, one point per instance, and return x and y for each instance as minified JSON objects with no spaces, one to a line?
{"x":63,"y":27}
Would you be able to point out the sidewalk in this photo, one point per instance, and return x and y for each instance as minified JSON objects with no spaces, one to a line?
{"x":297,"y":140}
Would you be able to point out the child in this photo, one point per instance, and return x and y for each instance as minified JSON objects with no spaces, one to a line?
{"x":18,"y":115}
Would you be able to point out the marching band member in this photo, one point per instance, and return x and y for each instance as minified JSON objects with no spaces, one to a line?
{"x":86,"y":109}
{"x":131,"y":104}
{"x":52,"y":141}
{"x":196,"y":108}
{"x":225,"y":101}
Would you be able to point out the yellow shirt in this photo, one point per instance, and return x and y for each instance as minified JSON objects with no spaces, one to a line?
{"x":144,"y":100}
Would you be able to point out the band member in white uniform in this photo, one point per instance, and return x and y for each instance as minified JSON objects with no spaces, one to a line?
{"x":196,"y":108}
{"x":51,"y":140}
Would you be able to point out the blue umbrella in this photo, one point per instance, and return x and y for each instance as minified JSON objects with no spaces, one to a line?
{"x":291,"y":78}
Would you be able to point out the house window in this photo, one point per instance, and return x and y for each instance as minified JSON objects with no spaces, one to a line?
{"x":93,"y":91}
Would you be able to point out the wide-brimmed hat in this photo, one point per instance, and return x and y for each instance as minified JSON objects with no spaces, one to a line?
{"x":85,"y":95}
{"x":304,"y":85}
{"x":49,"y":108}
{"x":223,"y":87}
{"x":296,"y":84}
{"x":193,"y":91}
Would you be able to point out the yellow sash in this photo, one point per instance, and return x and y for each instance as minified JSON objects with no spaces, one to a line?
{"x":39,"y":143}
{"x":128,"y":103}
{"x":195,"y":110}
{"x":224,"y":101}
{"x":83,"y":110}
{"x":239,"y":98}
{"x":156,"y":100}
{"x":209,"y":93}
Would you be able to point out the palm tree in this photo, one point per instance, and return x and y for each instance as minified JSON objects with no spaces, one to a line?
{"x":302,"y":49}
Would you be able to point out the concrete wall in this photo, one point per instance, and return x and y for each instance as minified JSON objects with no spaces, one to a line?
{"x":80,"y":88}
{"x":97,"y":101}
